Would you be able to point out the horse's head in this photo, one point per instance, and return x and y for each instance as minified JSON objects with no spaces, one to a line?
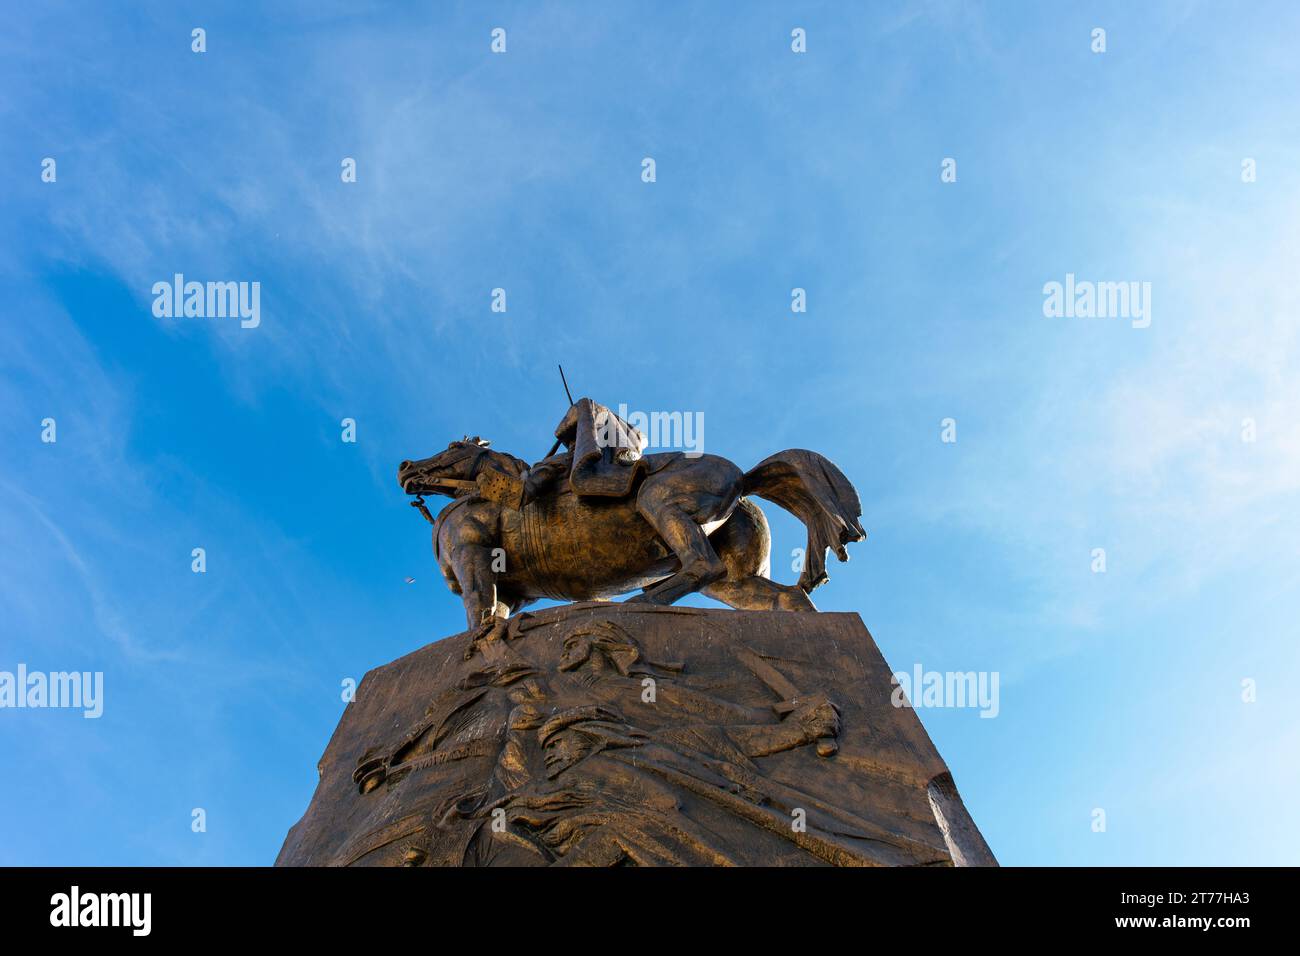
{"x":430,"y":476}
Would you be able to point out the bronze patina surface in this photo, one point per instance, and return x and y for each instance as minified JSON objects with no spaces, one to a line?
{"x":634,"y":734}
{"x":601,"y":520}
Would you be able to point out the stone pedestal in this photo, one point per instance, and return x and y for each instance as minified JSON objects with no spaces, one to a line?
{"x":625,"y":734}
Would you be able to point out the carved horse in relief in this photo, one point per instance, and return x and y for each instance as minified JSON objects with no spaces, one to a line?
{"x":687,"y":526}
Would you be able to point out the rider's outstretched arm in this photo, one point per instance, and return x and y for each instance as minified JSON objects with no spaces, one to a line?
{"x":545,"y":475}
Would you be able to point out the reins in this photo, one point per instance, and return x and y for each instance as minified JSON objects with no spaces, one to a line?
{"x":424,"y":510}
{"x":450,"y":484}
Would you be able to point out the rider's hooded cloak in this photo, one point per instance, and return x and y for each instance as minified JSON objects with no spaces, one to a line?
{"x":606,"y":450}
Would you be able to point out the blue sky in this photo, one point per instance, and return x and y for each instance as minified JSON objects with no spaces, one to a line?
{"x":1120,"y":691}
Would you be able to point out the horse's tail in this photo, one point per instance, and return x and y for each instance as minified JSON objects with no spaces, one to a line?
{"x":810,"y":487}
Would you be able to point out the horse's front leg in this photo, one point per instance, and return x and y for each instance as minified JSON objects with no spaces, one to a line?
{"x":478,"y":590}
{"x":472,"y":565}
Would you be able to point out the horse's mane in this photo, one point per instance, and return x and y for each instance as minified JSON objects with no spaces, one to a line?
{"x":502,"y":460}
{"x":508,"y":462}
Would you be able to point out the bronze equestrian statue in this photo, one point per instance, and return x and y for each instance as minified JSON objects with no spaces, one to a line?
{"x":600,"y":520}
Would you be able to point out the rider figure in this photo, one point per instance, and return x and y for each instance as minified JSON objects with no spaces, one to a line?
{"x":602,"y":456}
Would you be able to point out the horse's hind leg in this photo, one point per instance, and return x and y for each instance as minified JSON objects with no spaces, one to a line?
{"x":676,"y":515}
{"x":744,"y":544}
{"x":757,"y":593}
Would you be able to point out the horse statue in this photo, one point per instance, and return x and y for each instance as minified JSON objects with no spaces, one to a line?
{"x":684,"y":525}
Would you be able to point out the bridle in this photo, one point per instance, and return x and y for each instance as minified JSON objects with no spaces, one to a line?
{"x":451,"y":484}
